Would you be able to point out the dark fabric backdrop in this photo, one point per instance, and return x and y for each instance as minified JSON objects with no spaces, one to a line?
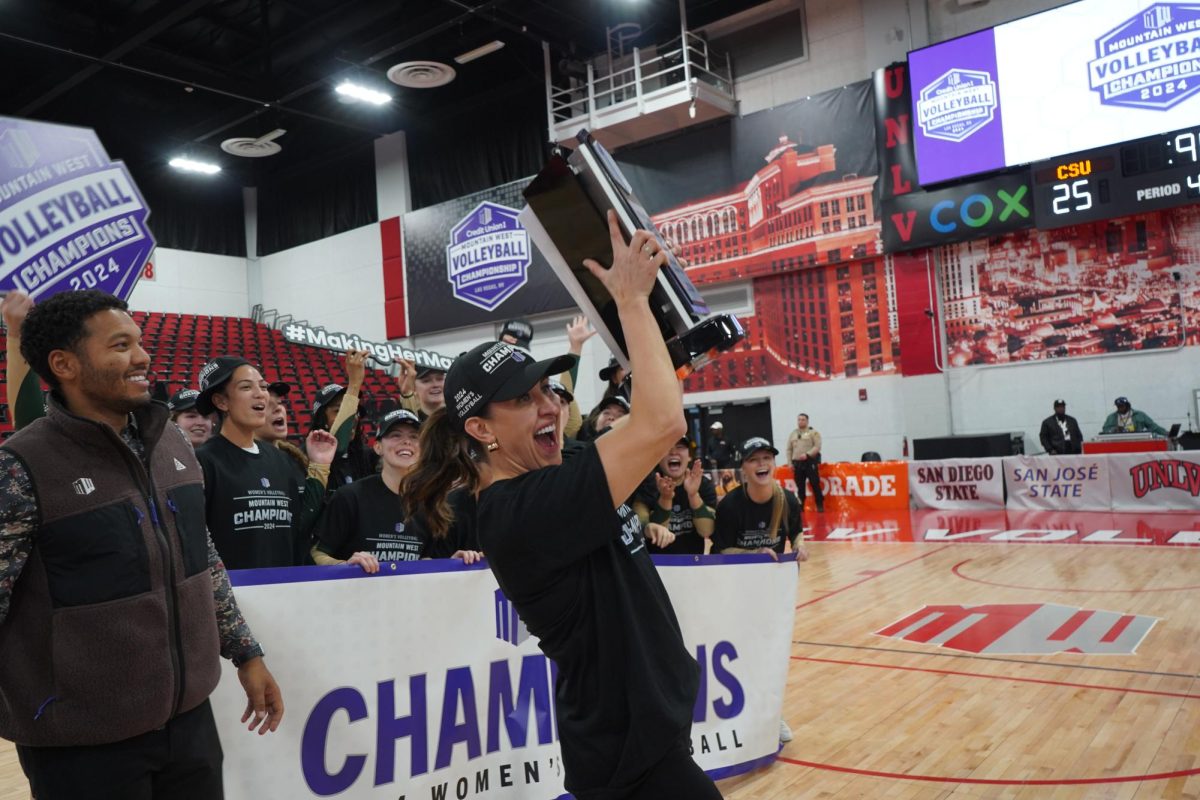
{"x":189,"y":213}
{"x":326,"y":199}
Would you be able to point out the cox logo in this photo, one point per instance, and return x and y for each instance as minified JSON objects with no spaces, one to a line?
{"x":977,"y":210}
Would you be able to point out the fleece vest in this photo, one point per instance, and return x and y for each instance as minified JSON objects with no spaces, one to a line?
{"x":112,"y":626}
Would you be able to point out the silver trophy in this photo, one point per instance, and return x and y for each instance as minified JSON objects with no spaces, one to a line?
{"x":566,"y":218}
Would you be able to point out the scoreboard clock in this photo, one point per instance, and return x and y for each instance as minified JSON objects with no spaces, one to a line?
{"x":1142,"y":175}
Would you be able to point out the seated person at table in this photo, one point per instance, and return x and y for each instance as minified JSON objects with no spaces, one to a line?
{"x":1127,"y":419}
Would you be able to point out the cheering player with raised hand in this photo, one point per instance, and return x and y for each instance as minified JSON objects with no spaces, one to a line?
{"x":570,"y":554}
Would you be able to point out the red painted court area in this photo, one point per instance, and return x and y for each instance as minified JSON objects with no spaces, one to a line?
{"x":937,"y":655}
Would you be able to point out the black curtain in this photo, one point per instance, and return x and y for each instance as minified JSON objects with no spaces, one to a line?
{"x":325,"y":199}
{"x":486,"y":145}
{"x":193,"y":212}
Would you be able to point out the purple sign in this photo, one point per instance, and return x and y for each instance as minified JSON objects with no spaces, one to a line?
{"x":487,"y":259}
{"x":1148,"y":61}
{"x":956,"y":108}
{"x":70,"y":218}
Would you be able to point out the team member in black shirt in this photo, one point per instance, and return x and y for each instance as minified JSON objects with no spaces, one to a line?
{"x":570,"y":555}
{"x":759,"y":516}
{"x":254,"y":495}
{"x":197,"y":427}
{"x":681,"y":498}
{"x":602,"y":417}
{"x":366,"y":522}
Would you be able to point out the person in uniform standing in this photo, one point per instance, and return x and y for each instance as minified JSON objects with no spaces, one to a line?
{"x":804,"y":451}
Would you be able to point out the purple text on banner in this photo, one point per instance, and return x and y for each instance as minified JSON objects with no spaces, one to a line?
{"x":957,"y":125}
{"x":70,"y":218}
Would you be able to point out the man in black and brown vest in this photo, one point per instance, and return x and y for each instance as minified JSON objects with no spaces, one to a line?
{"x":114,"y":606}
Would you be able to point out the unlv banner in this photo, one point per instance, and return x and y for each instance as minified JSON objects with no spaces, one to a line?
{"x":856,"y":485}
{"x":1151,"y":481}
{"x":957,"y":483}
{"x":1055,"y":483}
{"x":422,"y":682}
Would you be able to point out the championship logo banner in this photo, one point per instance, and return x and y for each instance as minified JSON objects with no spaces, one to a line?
{"x":487,"y":259}
{"x":1078,"y":483}
{"x":70,"y":217}
{"x":424,"y":682}
{"x":384,"y":353}
{"x":957,"y":483}
{"x":1151,"y":60}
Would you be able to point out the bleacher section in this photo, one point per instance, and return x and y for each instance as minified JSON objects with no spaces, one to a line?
{"x":179,"y":344}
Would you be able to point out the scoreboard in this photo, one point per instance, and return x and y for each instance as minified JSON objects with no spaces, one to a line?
{"x":1119,"y":180}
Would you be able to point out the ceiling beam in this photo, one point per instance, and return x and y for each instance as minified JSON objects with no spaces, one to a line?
{"x":146,"y":28}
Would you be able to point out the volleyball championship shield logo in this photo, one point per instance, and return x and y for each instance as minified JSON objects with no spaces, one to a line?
{"x":488,"y":257}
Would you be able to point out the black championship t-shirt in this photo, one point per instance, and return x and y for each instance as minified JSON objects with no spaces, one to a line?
{"x":250,"y":499}
{"x":366,"y":516}
{"x":461,"y":534}
{"x":680,"y":523}
{"x":743,"y":523}
{"x":579,"y":575}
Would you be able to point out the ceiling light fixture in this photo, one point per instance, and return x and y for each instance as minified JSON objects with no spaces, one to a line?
{"x":353,"y":90}
{"x":479,"y":52}
{"x":692,"y":110}
{"x":188,"y":165}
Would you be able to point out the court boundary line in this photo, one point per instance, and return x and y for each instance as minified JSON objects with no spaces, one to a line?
{"x":1184,"y":675}
{"x":1010,"y":678}
{"x":955,"y":570}
{"x":1158,"y":776}
{"x":871,"y":577}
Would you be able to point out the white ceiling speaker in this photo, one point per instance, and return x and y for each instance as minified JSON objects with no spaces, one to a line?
{"x":246,"y":147}
{"x":421,"y":74}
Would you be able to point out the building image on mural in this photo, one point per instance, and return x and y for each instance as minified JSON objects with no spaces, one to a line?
{"x":1106,"y":287}
{"x":807,"y":236}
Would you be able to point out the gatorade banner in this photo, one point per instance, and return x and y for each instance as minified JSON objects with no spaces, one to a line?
{"x":957,"y":483}
{"x":856,"y":485}
{"x":1056,"y":483}
{"x":1153,"y":481}
{"x":422,"y":682}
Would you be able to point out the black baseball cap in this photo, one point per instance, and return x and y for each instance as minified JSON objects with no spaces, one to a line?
{"x":493,"y":372}
{"x":1060,"y":402}
{"x":613,"y":365}
{"x":1121,"y":401}
{"x":280,"y":388}
{"x":426,"y":369}
{"x":325,"y":396}
{"x":753,"y":445}
{"x":400,"y":416}
{"x":614,"y":400}
{"x":559,"y":389}
{"x":213,"y":376}
{"x":182,"y":400}
{"x":519,"y":329}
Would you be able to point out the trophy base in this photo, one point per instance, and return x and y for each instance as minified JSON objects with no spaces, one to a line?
{"x":693,"y":349}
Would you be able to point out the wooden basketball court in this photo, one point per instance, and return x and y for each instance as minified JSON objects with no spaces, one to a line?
{"x":890,"y":699}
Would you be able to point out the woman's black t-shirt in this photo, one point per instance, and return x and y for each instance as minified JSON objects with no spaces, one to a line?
{"x":745,"y":524}
{"x":579,"y":575}
{"x":681,"y":522}
{"x":250,"y":499}
{"x":461,"y":534}
{"x":366,"y":516}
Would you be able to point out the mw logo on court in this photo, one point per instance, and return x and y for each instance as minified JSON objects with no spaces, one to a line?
{"x":1023,"y":628}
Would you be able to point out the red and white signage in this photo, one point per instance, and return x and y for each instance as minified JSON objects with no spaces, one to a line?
{"x":1023,"y":628}
{"x":856,"y":486}
{"x":957,"y":483}
{"x":1151,"y":481}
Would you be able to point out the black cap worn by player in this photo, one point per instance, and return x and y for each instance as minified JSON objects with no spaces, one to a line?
{"x":518,"y":332}
{"x":494,"y":372}
{"x":213,"y":376}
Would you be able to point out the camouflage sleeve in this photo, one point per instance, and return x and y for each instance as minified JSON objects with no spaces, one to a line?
{"x":18,"y":519}
{"x":237,"y":642}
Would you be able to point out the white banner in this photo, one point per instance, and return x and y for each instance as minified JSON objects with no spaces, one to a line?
{"x":1077,"y":483}
{"x":1155,"y":481}
{"x":957,"y":483}
{"x":420,"y":682}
